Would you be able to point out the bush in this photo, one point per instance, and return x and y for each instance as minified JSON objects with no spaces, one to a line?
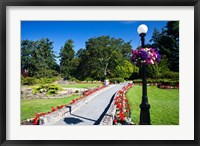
{"x":48,"y":89}
{"x":73,"y":79}
{"x":116,"y":80}
{"x":28,"y":80}
{"x":51,"y":91}
{"x":46,"y":80}
{"x":88,"y":79}
{"x":170,"y":83}
{"x":170,"y":75}
{"x":77,"y":91}
{"x":137,"y":81}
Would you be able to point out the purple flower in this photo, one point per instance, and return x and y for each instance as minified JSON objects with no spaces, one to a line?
{"x":145,"y":56}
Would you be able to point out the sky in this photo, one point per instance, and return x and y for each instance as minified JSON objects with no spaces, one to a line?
{"x":80,"y":31}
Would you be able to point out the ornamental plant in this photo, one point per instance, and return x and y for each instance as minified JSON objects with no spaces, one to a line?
{"x":145,"y":56}
{"x":122,"y":114}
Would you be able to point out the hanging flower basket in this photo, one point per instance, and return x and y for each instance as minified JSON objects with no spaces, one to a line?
{"x":145,"y":56}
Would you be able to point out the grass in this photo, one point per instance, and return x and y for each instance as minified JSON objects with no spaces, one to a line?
{"x":87,"y":85}
{"x":30,"y":107}
{"x":164,"y":105}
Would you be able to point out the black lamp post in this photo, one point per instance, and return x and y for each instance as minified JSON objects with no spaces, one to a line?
{"x":144,"y":106}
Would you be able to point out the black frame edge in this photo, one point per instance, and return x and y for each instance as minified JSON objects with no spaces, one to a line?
{"x":100,"y":2}
{"x":3,"y":141}
{"x":3,"y":73}
{"x":197,"y":70}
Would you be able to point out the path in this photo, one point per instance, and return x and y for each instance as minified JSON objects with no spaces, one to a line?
{"x":93,"y":111}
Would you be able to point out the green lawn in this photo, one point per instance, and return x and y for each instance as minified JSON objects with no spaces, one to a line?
{"x":87,"y":85}
{"x":164,"y":105}
{"x":30,"y":107}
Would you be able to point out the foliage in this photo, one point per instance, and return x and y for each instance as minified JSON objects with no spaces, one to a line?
{"x":101,"y":56}
{"x":33,"y":80}
{"x":153,"y":71}
{"x":125,"y":69}
{"x":47,"y":88}
{"x":38,"y":58}
{"x":170,"y":75}
{"x":46,"y":80}
{"x":116,"y":80}
{"x":28,"y":80}
{"x":73,"y":79}
{"x":66,"y":58}
{"x":88,"y":79}
{"x":157,"y":70}
{"x":167,"y":43}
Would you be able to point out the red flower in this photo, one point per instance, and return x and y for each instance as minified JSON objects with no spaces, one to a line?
{"x":116,"y":102}
{"x":115,"y":121}
{"x":121,"y":116}
{"x":62,"y":106}
{"x":37,"y":115}
{"x":35,"y":123}
{"x":53,"y":109}
{"x":35,"y":119}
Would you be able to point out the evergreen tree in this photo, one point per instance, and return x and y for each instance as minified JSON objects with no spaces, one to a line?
{"x":37,"y":57}
{"x":167,"y":43}
{"x":67,"y":55}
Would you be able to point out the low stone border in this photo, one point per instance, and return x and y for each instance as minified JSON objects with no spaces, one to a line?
{"x":109,"y":116}
{"x":53,"y":117}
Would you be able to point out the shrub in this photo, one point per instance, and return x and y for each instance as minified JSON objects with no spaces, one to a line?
{"x":89,"y":79}
{"x":73,"y":79}
{"x":48,"y":89}
{"x":77,"y":91}
{"x":28,"y":80}
{"x":47,"y":80}
{"x":116,"y":80}
{"x":51,"y":91}
{"x":170,"y":75}
{"x":170,"y":83}
{"x":137,"y":81}
{"x":36,"y":89}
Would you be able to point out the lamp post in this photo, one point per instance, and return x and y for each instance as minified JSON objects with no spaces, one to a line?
{"x":144,"y":106}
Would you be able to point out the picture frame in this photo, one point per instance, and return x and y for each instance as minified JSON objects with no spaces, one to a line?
{"x":3,"y":54}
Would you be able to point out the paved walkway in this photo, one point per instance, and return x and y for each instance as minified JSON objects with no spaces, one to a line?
{"x":93,"y":111}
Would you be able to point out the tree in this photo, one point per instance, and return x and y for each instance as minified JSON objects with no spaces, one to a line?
{"x":27,"y":48}
{"x":167,"y":43}
{"x":43,"y":58}
{"x":67,"y":54}
{"x":101,"y":56}
{"x":37,"y":57}
{"x":125,"y":69}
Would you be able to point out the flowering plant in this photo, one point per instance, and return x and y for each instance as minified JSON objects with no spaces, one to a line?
{"x":122,"y":113}
{"x":145,"y":56}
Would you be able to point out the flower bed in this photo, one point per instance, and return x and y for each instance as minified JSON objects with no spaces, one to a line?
{"x":35,"y":120}
{"x":160,"y":83}
{"x":168,"y":87}
{"x":122,"y":114}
